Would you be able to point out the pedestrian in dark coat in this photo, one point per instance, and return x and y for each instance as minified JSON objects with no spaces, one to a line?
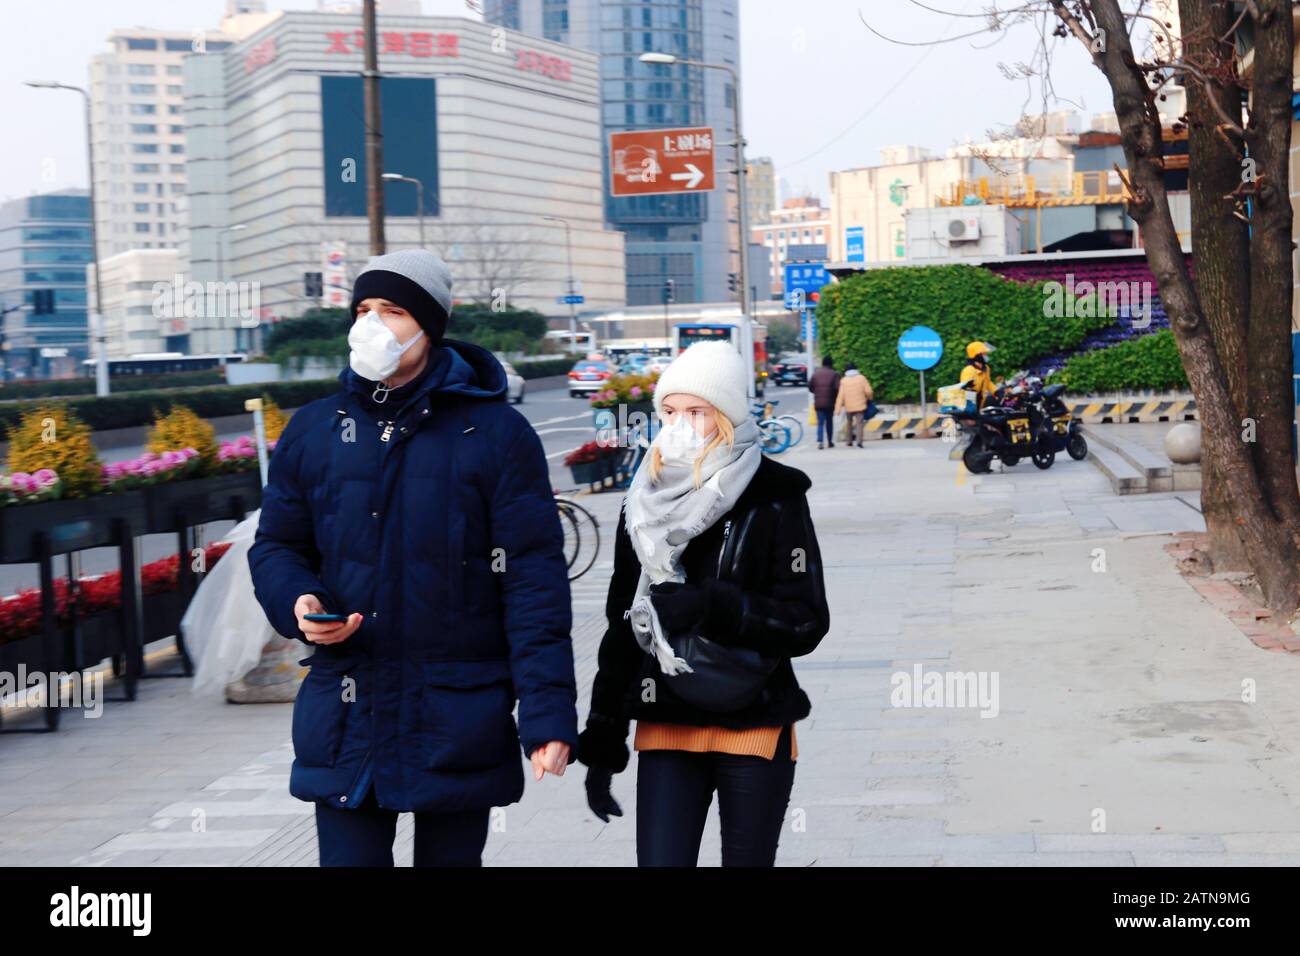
{"x":719,"y":539}
{"x":825,"y":386}
{"x":417,"y":503}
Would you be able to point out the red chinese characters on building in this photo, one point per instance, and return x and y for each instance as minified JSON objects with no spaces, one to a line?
{"x":531,"y":61}
{"x":408,"y":43}
{"x":259,"y":55}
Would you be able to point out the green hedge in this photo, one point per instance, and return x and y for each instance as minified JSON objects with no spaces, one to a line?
{"x":46,"y":388}
{"x":861,"y":317}
{"x":543,"y":368}
{"x":1151,"y":361}
{"x":137,"y":408}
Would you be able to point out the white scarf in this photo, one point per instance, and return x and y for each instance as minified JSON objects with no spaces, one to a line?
{"x":663,"y":517}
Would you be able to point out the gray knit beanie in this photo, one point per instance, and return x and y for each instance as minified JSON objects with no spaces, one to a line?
{"x":415,"y":279}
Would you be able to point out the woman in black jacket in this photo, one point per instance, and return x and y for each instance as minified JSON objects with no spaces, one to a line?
{"x":717,"y":540}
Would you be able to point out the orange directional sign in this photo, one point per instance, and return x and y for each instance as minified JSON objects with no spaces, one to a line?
{"x":661,"y":161}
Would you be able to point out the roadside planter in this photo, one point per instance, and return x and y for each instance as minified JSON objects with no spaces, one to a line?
{"x":173,"y":504}
{"x":69,"y":524}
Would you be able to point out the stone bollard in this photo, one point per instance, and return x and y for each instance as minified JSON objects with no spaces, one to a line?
{"x":1183,"y":443}
{"x":276,"y":677}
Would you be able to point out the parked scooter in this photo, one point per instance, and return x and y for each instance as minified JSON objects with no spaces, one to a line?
{"x":1011,"y":426}
{"x":1067,"y":433}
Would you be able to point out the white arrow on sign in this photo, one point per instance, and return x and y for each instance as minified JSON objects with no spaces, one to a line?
{"x":694,"y":176}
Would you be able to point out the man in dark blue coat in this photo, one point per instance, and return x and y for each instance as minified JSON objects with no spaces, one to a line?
{"x":415,"y":505}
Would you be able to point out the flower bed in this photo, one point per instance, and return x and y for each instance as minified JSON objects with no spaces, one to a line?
{"x":625,"y":390}
{"x":20,"y":614}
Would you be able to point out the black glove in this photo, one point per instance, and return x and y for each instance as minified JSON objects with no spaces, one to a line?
{"x":679,"y":606}
{"x":603,"y":744}
{"x":599,"y":797}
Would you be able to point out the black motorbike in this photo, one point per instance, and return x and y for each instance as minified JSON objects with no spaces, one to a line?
{"x":1011,"y":426}
{"x":1067,"y":433}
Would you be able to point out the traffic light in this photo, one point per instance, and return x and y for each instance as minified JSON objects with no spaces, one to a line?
{"x":670,"y":291}
{"x":814,"y":297}
{"x":314,"y":284}
{"x":731,"y":282}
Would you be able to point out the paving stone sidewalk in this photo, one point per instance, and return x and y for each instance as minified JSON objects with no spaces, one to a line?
{"x":1119,"y":705}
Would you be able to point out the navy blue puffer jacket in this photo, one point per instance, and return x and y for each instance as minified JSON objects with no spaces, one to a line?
{"x":435,"y":520}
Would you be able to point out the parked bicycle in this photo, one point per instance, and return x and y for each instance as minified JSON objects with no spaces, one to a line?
{"x":776,"y":436}
{"x":581,"y":536}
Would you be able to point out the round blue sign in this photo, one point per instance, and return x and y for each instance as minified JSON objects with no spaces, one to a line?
{"x":920,"y":348}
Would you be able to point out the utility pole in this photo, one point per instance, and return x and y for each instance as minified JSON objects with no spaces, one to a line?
{"x":374,"y":133}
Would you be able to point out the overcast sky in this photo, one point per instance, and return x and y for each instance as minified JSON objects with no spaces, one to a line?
{"x":820,"y":91}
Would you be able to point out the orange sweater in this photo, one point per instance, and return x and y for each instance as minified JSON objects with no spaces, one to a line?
{"x":754,"y":742}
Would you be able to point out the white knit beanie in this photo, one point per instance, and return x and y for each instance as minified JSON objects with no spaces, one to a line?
{"x":713,"y":371}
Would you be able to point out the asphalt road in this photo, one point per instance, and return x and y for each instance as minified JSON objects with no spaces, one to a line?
{"x":562,"y":423}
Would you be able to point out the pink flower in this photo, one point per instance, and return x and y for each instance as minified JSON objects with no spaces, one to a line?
{"x":635,"y":391}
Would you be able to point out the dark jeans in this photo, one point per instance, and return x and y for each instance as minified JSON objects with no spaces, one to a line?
{"x":826,"y":422}
{"x":364,"y":836}
{"x":675,"y":787}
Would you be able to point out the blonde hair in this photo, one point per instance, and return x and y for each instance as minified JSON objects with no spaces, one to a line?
{"x":726,"y":433}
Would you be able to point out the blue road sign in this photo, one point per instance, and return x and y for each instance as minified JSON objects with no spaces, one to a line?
{"x":802,"y":279}
{"x":920,"y":348}
{"x":570,"y":300}
{"x":855,"y":244}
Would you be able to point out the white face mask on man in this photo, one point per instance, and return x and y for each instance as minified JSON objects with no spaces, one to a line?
{"x":376,"y":352}
{"x":679,"y":443}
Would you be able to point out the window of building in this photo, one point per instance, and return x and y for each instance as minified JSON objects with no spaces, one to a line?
{"x":144,"y":128}
{"x":142,"y":227}
{"x":141,"y":207}
{"x":140,"y":188}
{"x":182,"y":46}
{"x":144,"y":147}
{"x":178,"y":189}
{"x":141,"y":109}
{"x":144,"y":167}
{"x":174,"y":109}
{"x":177,"y":148}
{"x":141,"y":43}
{"x":142,"y":89}
{"x":177,"y":169}
{"x":173,"y":90}
{"x":140,"y":69}
{"x":175,"y":69}
{"x":177,"y":128}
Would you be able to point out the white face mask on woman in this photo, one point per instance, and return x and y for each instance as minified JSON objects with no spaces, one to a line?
{"x":679,"y":443}
{"x":376,"y":352}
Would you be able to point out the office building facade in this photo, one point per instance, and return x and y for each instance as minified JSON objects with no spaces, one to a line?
{"x":501,"y":130}
{"x":691,"y":239}
{"x":44,"y":248}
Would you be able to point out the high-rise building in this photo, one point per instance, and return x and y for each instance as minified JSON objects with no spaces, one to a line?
{"x":797,"y":232}
{"x":139,"y":135}
{"x":44,"y":248}
{"x":500,"y":130}
{"x":760,"y":186}
{"x":691,"y":239}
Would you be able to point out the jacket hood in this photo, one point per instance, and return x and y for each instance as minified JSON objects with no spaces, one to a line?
{"x":469,"y":370}
{"x":851,"y":372}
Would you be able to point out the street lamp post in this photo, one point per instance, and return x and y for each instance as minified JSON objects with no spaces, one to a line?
{"x":221,"y":268}
{"x":419,"y":197}
{"x":568,"y":252}
{"x":97,"y":318}
{"x":742,"y":213}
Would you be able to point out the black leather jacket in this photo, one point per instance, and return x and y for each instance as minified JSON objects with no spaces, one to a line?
{"x":761,"y":570}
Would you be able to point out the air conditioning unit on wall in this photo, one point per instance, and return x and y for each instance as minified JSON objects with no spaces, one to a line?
{"x":964,"y":229}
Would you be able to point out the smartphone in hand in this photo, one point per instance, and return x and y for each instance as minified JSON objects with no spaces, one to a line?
{"x":325,"y":618}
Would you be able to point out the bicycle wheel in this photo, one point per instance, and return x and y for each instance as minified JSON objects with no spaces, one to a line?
{"x":796,"y":427}
{"x":572,"y":533}
{"x":586,"y":535}
{"x":776,"y":436}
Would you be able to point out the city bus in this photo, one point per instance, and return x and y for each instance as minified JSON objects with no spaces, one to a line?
{"x":686,"y":334}
{"x":157,"y":363}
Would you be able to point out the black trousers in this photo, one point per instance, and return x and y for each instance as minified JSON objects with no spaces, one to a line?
{"x":364,"y":836}
{"x":675,"y":787}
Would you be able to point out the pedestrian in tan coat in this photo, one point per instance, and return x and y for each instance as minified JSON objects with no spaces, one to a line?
{"x":855,"y":392}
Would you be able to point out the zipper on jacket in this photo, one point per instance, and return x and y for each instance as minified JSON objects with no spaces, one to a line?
{"x":722,"y":551}
{"x":388,"y":432}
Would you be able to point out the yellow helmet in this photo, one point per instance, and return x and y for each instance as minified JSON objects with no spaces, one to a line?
{"x":978,"y":348}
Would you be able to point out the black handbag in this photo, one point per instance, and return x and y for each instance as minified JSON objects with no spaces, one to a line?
{"x":723,"y":678}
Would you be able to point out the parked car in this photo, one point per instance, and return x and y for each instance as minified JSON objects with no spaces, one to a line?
{"x":588,"y":376}
{"x":790,"y":370}
{"x":514,"y":384}
{"x":657,"y":365}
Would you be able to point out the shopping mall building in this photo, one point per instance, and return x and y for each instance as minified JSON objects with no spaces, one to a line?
{"x":501,"y":130}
